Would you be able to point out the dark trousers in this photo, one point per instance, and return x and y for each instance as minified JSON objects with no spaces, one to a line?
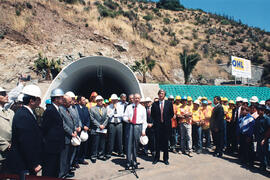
{"x":162,"y":143}
{"x":174,"y":137}
{"x":98,"y":145}
{"x":262,"y":153}
{"x":218,"y":139}
{"x":231,"y":137}
{"x":151,"y":140}
{"x":206,"y":135}
{"x":65,"y":158}
{"x":82,"y":151}
{"x":51,"y":165}
{"x":75,"y":155}
{"x":115,"y":137}
{"x":133,"y":134}
{"x":197,"y":136}
{"x":225,"y":134}
{"x":246,"y":154}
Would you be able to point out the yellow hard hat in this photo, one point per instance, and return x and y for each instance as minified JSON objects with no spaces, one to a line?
{"x":222,"y":98}
{"x":177,"y":98}
{"x":189,"y":98}
{"x":204,"y":98}
{"x":231,"y":102}
{"x":225,"y":99}
{"x":110,"y":100}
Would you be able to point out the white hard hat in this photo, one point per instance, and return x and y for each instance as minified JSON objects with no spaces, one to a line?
{"x":142,"y":100}
{"x":76,"y":141}
{"x":171,"y":97}
{"x":70,"y":94}
{"x":197,"y":102}
{"x":57,"y":92}
{"x":99,"y":98}
{"x":254,"y":99}
{"x":262,"y":103}
{"x":239,"y":99}
{"x":32,"y":90}
{"x":245,"y":100}
{"x":144,"y":140}
{"x":20,"y":98}
{"x":2,"y":89}
{"x":84,"y":136}
{"x":114,"y":97}
{"x":148,"y":99}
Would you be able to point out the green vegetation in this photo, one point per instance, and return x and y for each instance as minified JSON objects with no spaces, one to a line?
{"x":188,"y":62}
{"x":166,"y":20}
{"x":144,"y":66}
{"x":148,"y":17}
{"x":173,"y":5}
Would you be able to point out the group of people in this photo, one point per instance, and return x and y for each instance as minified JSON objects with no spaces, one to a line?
{"x":71,"y":128}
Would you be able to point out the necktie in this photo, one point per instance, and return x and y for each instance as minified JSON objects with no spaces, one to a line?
{"x":115,"y":119}
{"x":148,"y":112}
{"x":134,"y":118}
{"x":161,"y":111}
{"x":100,"y":111}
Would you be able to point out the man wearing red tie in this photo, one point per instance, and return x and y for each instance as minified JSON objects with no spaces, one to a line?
{"x":135,"y":116}
{"x":162,"y":113}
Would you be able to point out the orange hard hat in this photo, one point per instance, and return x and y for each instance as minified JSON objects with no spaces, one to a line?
{"x":93,"y":94}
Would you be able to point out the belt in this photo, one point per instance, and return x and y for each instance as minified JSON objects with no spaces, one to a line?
{"x":114,"y":123}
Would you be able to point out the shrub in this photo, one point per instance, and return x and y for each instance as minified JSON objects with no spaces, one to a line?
{"x":173,"y":43}
{"x":148,"y":17}
{"x":244,"y":49}
{"x":130,"y":15}
{"x":224,"y":22}
{"x":110,"y":4}
{"x":232,"y":42}
{"x":170,"y":5}
{"x":29,"y":5}
{"x":166,"y":20}
{"x":219,"y":61}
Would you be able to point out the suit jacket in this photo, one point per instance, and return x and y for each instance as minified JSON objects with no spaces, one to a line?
{"x":26,"y":149}
{"x":75,"y":114}
{"x":53,"y":131}
{"x":217,"y":118}
{"x":97,"y":119}
{"x":167,"y":116}
{"x":68,"y":123}
{"x":84,"y":115}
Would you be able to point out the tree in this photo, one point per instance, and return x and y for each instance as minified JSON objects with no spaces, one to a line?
{"x":170,"y":4}
{"x":188,"y":63}
{"x":144,"y":66}
{"x":266,"y":74}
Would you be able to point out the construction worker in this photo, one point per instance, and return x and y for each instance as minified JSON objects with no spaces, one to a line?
{"x":185,"y":117}
{"x":206,"y":115}
{"x":254,"y":100}
{"x":92,"y":100}
{"x":196,"y":127}
{"x":230,"y":127}
{"x":225,"y":106}
{"x":6,"y":117}
{"x":190,"y":102}
{"x":174,"y":133}
{"x":25,"y":152}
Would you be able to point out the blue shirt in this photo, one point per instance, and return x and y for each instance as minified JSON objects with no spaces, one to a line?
{"x":246,"y":125}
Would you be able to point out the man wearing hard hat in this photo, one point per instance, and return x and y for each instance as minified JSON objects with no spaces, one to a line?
{"x":92,"y":100}
{"x":115,"y":112}
{"x":99,"y":121}
{"x":6,"y":117}
{"x":26,"y":149}
{"x":54,"y":135}
{"x":230,"y":127}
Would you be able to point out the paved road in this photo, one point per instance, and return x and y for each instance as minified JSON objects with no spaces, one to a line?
{"x":203,"y":166}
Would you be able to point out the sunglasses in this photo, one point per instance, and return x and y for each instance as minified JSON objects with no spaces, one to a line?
{"x":4,"y":93}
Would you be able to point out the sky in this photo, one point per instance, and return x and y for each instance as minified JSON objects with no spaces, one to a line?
{"x":254,"y":13}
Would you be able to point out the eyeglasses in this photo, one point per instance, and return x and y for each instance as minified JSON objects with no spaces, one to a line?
{"x":3,"y":93}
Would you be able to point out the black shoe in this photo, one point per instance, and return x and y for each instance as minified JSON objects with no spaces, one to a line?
{"x":220,"y":155}
{"x":127,"y":167}
{"x":199,"y":151}
{"x":72,"y":168}
{"x":155,"y":161}
{"x":166,"y":162}
{"x":84,"y":163}
{"x":69,"y":175}
{"x":108,"y":157}
{"x":93,"y":160}
{"x":121,"y":155}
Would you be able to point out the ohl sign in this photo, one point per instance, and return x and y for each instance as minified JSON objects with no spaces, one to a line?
{"x":241,"y":67}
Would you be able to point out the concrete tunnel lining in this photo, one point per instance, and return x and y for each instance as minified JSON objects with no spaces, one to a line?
{"x":97,"y":73}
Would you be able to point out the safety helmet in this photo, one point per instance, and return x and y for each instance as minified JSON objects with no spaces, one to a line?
{"x":205,"y":102}
{"x":171,"y":97}
{"x":57,"y":92}
{"x":99,"y":98}
{"x":142,"y":100}
{"x":231,"y":102}
{"x":70,"y":94}
{"x":2,"y":89}
{"x":177,"y":98}
{"x":84,"y":136}
{"x":245,"y":100}
{"x":32,"y":90}
{"x":144,"y":140}
{"x":184,"y":97}
{"x":94,"y":94}
{"x":106,"y":101}
{"x":262,"y":103}
{"x":48,"y":101}
{"x":76,"y":141}
{"x":114,"y":97}
{"x":254,"y":99}
{"x":239,"y":99}
{"x":20,"y":98}
{"x":189,"y":98}
{"x":197,"y":102}
{"x":148,"y":99}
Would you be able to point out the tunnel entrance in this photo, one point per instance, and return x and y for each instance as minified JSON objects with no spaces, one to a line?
{"x":101,"y":74}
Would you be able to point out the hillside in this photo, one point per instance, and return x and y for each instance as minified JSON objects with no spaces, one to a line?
{"x":127,"y":31}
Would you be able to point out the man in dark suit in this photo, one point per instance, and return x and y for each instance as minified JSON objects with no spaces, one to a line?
{"x":53,"y":133}
{"x":217,"y":126}
{"x":162,"y":113}
{"x":99,"y":121}
{"x":26,"y":143}
{"x":85,"y":119}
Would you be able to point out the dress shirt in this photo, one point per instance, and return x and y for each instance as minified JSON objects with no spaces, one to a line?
{"x":115,"y":117}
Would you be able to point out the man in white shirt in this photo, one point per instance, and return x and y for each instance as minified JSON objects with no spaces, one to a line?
{"x":135,"y":115}
{"x":115,"y":113}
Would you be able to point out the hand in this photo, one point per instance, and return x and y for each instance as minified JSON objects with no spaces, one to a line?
{"x":78,"y":129}
{"x":9,"y":146}
{"x":74,"y":134}
{"x":85,"y":128}
{"x":101,"y":127}
{"x":114,"y":105}
{"x":143,"y":134}
{"x":174,"y":117}
{"x":149,"y":125}
{"x":263,"y":141}
{"x":38,"y":168}
{"x":129,"y":120}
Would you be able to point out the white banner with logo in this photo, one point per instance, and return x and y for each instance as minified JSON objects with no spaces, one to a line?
{"x":241,"y":67}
